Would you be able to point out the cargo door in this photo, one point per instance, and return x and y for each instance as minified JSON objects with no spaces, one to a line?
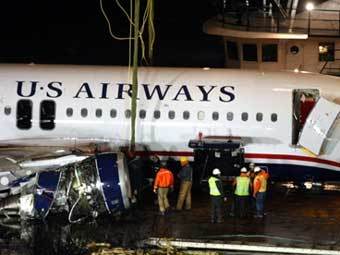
{"x":318,"y":124}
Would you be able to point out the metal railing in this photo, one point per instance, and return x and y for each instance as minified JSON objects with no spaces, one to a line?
{"x":318,"y":22}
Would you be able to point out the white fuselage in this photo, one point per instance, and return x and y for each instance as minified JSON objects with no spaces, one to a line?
{"x":174,"y":105}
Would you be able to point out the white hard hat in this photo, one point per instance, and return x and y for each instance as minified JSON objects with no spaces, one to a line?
{"x":257,"y":169}
{"x":216,"y":171}
{"x":252,"y":164}
{"x":244,"y":170}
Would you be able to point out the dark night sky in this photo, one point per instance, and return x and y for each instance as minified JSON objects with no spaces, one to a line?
{"x":75,"y":32}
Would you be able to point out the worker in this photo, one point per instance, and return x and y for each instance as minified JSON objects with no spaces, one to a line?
{"x":251,"y":167}
{"x":259,"y":190}
{"x":185,"y":176}
{"x":135,"y":166}
{"x":242,"y":186}
{"x":216,"y":195}
{"x":164,"y":182}
{"x":251,"y":174}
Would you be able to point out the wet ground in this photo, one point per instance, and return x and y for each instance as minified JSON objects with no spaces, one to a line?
{"x":299,"y":219}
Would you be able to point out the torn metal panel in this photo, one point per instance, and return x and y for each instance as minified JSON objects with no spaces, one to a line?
{"x":318,"y":124}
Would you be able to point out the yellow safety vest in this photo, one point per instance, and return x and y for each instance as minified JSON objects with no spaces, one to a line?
{"x":242,"y":186}
{"x":213,"y":187}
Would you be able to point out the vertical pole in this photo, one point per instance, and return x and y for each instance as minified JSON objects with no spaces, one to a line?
{"x":151,"y":31}
{"x":223,"y":12}
{"x":134,"y":75}
{"x":248,"y":20}
{"x":339,"y":23}
{"x":309,"y":23}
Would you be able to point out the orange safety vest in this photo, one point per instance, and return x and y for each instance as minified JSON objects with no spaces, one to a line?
{"x":260,"y":182}
{"x":164,"y":179}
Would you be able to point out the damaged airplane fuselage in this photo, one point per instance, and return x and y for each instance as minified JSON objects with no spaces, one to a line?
{"x":286,"y":121}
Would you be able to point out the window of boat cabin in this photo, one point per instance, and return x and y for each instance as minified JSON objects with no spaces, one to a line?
{"x":47,"y":114}
{"x":249,"y":52}
{"x":24,"y":114}
{"x":269,"y":52}
{"x":326,"y":51}
{"x":232,"y":50}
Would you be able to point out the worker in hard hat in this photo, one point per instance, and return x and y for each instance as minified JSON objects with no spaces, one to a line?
{"x":259,"y":190}
{"x":242,"y":186}
{"x":164,"y":182}
{"x":185,"y":176}
{"x":217,"y":196}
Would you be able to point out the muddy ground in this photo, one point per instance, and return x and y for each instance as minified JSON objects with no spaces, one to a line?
{"x":296,"y":219}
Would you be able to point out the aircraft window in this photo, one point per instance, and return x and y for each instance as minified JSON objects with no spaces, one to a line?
{"x":7,"y":110}
{"x":186,"y":115}
{"x":172,"y":115}
{"x":157,"y":114}
{"x":142,"y":114}
{"x":215,"y":116}
{"x":113,"y":113}
{"x":200,"y":115}
{"x":99,"y":113}
{"x":244,"y":116}
{"x":24,"y":114}
{"x":69,"y":112}
{"x":128,"y":114}
{"x":47,"y":114}
{"x":259,"y":116}
{"x":273,"y":117}
{"x":230,"y":116}
{"x":83,"y":112}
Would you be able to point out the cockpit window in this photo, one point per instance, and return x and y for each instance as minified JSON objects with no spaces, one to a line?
{"x":24,"y":114}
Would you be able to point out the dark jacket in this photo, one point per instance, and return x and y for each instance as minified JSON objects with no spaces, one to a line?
{"x":186,"y":173}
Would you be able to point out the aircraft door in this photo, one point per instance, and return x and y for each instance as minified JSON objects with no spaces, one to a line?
{"x":317,"y":125}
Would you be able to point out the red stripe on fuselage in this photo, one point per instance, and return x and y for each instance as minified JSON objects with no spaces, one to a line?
{"x":292,"y":157}
{"x":246,"y":155}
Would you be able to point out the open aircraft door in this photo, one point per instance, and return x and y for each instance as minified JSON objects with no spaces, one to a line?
{"x":318,"y":124}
